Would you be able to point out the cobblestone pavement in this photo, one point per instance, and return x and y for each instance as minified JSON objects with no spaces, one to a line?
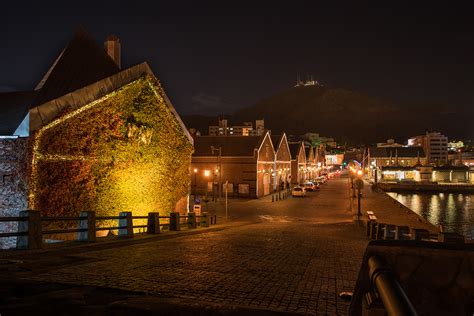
{"x":293,"y":256}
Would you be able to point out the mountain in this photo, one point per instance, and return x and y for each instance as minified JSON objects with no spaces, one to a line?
{"x":353,"y":117}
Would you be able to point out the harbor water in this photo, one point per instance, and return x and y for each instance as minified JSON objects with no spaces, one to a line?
{"x":453,"y":211}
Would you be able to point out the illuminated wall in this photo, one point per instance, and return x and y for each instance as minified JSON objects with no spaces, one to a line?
{"x":123,"y":152}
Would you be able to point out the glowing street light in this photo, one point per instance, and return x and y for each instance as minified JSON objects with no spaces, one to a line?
{"x":195,"y":173}
{"x":207,"y":173}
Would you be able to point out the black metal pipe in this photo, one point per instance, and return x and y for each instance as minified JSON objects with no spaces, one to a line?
{"x":394,"y":299}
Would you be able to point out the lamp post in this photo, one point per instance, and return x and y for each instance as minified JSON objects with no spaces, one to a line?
{"x":195,"y":184}
{"x":359,"y":184}
{"x":206,"y":174}
{"x":218,"y":150}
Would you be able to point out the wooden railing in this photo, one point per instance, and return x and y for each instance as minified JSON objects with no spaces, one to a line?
{"x":30,"y":225}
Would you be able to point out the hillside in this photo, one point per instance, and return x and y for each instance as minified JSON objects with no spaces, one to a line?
{"x":351,"y":116}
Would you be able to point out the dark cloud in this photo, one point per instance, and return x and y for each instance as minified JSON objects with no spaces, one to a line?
{"x":7,"y":89}
{"x":208,"y":104}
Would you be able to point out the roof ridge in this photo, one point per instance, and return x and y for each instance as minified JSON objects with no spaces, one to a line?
{"x":80,"y":63}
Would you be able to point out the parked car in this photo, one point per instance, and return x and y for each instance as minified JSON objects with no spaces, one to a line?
{"x":298,"y":191}
{"x":309,"y":186}
{"x":322,"y":179}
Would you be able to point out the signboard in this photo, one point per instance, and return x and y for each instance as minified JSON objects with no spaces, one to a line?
{"x":230,"y":187}
{"x":359,"y":184}
{"x":197,"y":209}
{"x":244,"y":189}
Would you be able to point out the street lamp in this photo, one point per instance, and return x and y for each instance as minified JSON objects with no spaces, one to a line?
{"x":195,"y":184}
{"x":359,"y":183}
{"x":207,"y":173}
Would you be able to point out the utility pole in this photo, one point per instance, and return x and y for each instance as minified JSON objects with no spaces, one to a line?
{"x":218,"y":168}
{"x":226,"y":189}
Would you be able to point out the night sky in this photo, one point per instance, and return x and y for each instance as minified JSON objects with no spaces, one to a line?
{"x":215,"y":57}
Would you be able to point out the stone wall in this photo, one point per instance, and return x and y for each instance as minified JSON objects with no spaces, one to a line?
{"x":13,"y":184}
{"x":436,"y":277}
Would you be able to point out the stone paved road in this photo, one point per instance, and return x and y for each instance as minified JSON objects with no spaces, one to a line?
{"x":295,"y":255}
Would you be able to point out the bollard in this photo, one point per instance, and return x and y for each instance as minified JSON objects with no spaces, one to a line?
{"x":380,"y":231}
{"x":373,"y":230}
{"x":175,"y":224}
{"x":32,"y":239}
{"x":205,"y":219}
{"x":89,"y":224}
{"x":389,"y":232}
{"x":215,"y":219}
{"x":418,"y":234}
{"x":192,"y":220}
{"x":273,"y":198}
{"x":367,"y":227}
{"x":402,"y":233}
{"x":125,"y":225}
{"x":153,"y":224}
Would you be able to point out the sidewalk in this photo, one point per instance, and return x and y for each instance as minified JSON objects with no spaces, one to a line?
{"x":389,"y":211}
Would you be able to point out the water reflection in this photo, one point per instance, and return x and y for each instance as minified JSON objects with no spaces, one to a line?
{"x":454,"y":211}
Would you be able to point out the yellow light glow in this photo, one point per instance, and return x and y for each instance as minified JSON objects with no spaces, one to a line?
{"x":207,"y":173}
{"x":195,"y":170}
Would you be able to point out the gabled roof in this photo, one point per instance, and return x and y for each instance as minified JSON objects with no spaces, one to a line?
{"x":13,"y":108}
{"x":230,"y":145}
{"x":382,"y":152}
{"x":81,"y":63}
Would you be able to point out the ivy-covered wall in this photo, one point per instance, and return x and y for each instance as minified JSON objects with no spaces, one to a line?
{"x":123,"y":152}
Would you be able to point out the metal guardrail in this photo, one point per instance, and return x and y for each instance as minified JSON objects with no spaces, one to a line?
{"x":30,"y":229}
{"x":384,"y":282}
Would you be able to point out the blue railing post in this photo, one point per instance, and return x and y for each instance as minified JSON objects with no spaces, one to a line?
{"x":126,"y":224}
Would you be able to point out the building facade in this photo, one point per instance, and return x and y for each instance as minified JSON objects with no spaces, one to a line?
{"x":99,"y":138}
{"x":395,"y":163}
{"x":435,"y":145}
{"x":282,"y":162}
{"x":298,"y":162}
{"x":245,"y":163}
{"x":246,"y":129}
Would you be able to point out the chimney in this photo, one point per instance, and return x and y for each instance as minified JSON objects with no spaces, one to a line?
{"x":112,"y":48}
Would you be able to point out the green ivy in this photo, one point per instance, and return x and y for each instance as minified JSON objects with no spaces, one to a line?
{"x":127,"y":153}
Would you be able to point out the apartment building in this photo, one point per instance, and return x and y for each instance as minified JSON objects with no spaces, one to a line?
{"x":434,"y":144}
